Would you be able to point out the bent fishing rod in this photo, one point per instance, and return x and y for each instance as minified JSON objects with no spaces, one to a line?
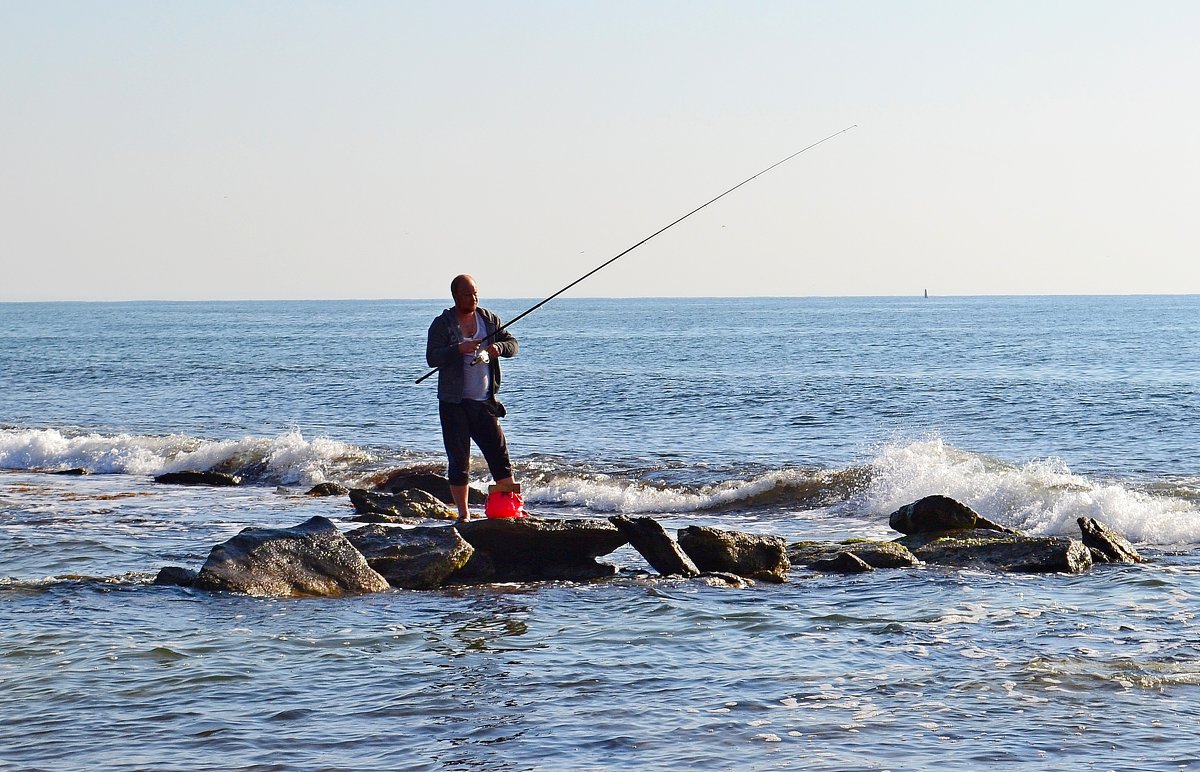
{"x":612,"y":260}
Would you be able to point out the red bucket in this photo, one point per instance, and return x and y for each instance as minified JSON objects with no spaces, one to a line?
{"x":504,"y":504}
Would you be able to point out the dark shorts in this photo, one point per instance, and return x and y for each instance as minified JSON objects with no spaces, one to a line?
{"x":470,"y":420}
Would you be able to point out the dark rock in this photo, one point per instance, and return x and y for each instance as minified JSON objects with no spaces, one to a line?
{"x":744,"y":554}
{"x":658,"y":547}
{"x":934,"y":514}
{"x":842,"y":563}
{"x":412,"y":558}
{"x":312,"y":558}
{"x":1107,"y":545}
{"x":534,"y":549}
{"x":876,"y":554}
{"x":999,"y":551}
{"x":406,"y":506}
{"x":423,"y":479}
{"x":197,"y":478}
{"x":176,"y":576}
{"x":77,"y":471}
{"x":327,"y":489}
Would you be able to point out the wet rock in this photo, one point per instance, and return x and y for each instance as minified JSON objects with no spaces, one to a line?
{"x":1107,"y":545}
{"x":197,"y":478}
{"x":876,"y":554}
{"x":327,"y":489}
{"x":658,"y":547}
{"x":412,"y":558}
{"x":536,"y":549}
{"x":426,"y":480}
{"x":724,"y":579}
{"x":744,"y":554}
{"x":842,"y":563}
{"x":934,"y":514}
{"x":312,"y":558}
{"x":405,"y":507}
{"x":76,"y":472}
{"x":998,"y":551}
{"x":176,"y":576}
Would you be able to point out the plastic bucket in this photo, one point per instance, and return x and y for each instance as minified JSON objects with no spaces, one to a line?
{"x":504,"y":504}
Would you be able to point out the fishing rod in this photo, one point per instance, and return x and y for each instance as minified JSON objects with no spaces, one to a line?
{"x":612,"y":260}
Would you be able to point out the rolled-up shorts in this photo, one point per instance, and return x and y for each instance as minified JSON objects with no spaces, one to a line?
{"x":470,"y":420}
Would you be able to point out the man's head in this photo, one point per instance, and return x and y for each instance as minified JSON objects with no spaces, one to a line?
{"x":465,"y":294}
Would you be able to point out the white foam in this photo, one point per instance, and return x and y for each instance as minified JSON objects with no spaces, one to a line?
{"x":1039,"y":497}
{"x":288,"y":458}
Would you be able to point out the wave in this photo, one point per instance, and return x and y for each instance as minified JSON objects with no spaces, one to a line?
{"x":1038,"y":497}
{"x":288,"y":459}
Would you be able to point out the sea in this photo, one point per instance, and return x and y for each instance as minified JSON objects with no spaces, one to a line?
{"x":805,"y":418}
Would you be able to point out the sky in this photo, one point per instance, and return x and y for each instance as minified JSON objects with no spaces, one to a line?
{"x":313,"y":150}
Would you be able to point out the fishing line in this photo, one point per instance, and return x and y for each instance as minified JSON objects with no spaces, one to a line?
{"x":612,"y":260}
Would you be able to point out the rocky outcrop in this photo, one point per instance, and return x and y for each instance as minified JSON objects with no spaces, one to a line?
{"x":876,"y":554}
{"x":749,"y":555}
{"x":423,"y":479}
{"x":934,"y":514}
{"x":998,"y":551}
{"x":1106,"y":545}
{"x":408,"y":506}
{"x":657,"y":546}
{"x":312,"y":558}
{"x":534,"y":549}
{"x":198,"y":478}
{"x":842,"y":563}
{"x":412,"y":558}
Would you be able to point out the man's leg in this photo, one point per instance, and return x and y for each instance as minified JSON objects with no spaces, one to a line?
{"x":456,"y":435}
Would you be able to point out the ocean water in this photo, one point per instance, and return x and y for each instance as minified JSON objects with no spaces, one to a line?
{"x":804,"y":418}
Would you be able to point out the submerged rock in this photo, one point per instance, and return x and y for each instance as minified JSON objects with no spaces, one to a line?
{"x":404,"y":507}
{"x":175,"y":576}
{"x":744,"y":554}
{"x":412,"y":558}
{"x":312,"y":558}
{"x":657,"y":546}
{"x":842,"y":563}
{"x":1107,"y":545}
{"x":1000,"y":551}
{"x":724,"y":579}
{"x":327,"y":489}
{"x":534,"y":549}
{"x":934,"y":514}
{"x":197,"y":478}
{"x":876,"y":554}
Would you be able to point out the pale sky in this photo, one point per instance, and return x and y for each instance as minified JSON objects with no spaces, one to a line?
{"x":257,"y":149}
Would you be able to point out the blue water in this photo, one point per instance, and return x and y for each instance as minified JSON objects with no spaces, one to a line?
{"x":806,"y":418}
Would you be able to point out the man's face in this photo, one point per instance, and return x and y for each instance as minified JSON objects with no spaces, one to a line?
{"x":466,"y":297}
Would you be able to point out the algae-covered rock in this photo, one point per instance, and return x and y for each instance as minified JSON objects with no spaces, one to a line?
{"x":750,"y":555}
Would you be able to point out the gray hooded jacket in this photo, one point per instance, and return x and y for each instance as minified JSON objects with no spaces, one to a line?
{"x":441,"y":351}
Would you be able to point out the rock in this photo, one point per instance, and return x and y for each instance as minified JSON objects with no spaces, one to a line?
{"x":748,"y":555}
{"x":423,"y":479}
{"x":1107,"y":545}
{"x":723,"y":579}
{"x":77,"y":471}
{"x":1000,"y":551}
{"x":312,"y":558}
{"x":412,"y":558}
{"x":876,"y":554}
{"x":534,"y":549}
{"x":842,"y":563}
{"x":176,"y":576}
{"x":658,"y":547}
{"x":197,"y":478}
{"x":327,"y":489}
{"x":934,"y":514}
{"x":401,"y":507}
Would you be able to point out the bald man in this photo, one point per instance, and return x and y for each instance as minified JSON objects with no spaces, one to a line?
{"x":465,"y":343}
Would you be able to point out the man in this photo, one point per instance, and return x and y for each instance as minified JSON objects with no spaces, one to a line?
{"x":465,"y":343}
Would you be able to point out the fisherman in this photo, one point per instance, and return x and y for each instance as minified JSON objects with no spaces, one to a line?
{"x":465,"y":343}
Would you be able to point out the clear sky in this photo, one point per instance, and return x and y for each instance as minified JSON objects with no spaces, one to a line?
{"x":259,"y":149}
